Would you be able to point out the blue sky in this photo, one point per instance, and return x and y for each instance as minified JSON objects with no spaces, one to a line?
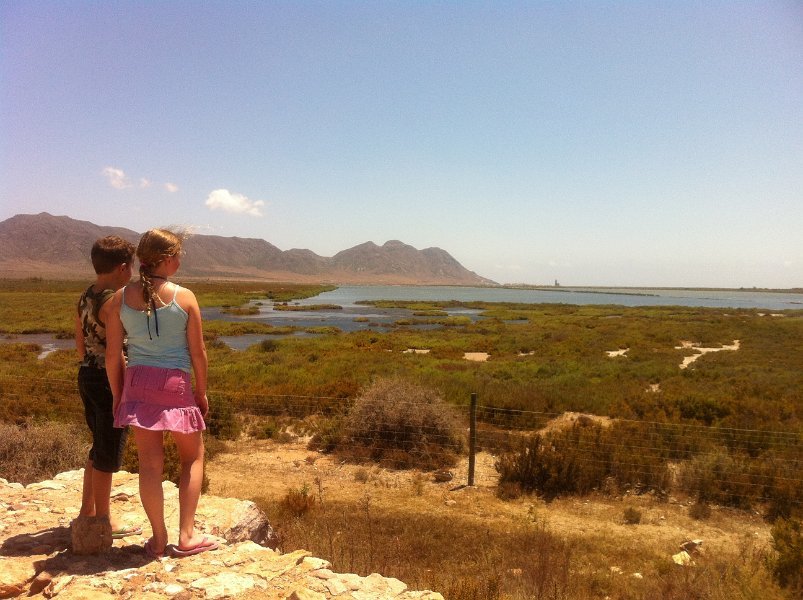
{"x":596,"y":143}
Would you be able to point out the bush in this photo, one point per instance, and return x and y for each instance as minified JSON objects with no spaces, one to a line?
{"x":268,"y":345}
{"x":508,"y":490}
{"x":222,"y":421}
{"x":30,"y":453}
{"x":720,"y":477}
{"x":298,"y":502}
{"x":583,"y":458}
{"x":402,"y":424}
{"x":328,"y":433}
{"x":700,"y":510}
{"x":632,"y":516}
{"x":787,"y":564}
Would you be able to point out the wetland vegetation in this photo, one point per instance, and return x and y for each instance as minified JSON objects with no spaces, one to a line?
{"x":726,"y":431}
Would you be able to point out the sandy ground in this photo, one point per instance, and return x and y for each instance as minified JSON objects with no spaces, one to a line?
{"x":266,"y":469}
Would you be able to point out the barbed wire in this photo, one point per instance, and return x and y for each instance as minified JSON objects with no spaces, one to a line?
{"x":500,"y":428}
{"x":486,"y":414}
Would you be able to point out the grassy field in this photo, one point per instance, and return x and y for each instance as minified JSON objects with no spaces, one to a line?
{"x":733,"y":415}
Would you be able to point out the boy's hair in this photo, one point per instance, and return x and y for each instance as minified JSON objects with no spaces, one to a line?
{"x":110,"y":252}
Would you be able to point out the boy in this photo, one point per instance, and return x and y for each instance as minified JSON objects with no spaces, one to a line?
{"x":112,"y":259}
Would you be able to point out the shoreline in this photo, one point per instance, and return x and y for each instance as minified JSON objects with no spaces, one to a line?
{"x":611,"y":289}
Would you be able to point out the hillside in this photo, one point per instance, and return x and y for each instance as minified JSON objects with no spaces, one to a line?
{"x":44,"y":245}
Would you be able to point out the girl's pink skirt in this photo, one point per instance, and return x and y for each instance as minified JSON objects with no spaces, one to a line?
{"x":160,"y":400}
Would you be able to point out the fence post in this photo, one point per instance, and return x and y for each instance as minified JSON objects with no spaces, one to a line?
{"x":472,"y":437}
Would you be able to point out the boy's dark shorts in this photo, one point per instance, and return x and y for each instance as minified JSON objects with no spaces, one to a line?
{"x":108,"y":443}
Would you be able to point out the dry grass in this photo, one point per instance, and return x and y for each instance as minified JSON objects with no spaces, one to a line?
{"x":32,"y":452}
{"x":469,"y":545}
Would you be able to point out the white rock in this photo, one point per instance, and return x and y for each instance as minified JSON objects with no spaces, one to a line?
{"x":46,"y":485}
{"x":335,"y":587}
{"x":223,"y":584}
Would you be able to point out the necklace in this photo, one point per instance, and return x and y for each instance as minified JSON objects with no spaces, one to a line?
{"x":158,"y":277}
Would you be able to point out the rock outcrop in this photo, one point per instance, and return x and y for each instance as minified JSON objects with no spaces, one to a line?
{"x":36,"y":558}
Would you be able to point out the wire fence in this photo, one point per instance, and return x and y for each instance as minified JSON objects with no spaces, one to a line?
{"x":744,"y":465}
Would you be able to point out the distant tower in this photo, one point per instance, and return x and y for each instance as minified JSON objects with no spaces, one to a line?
{"x":556,"y":283}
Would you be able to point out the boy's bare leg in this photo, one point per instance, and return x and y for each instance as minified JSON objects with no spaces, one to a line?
{"x":88,"y":492}
{"x":102,"y":488}
{"x":95,"y":496}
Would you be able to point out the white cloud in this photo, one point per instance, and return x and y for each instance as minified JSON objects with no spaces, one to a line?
{"x":120,"y":181}
{"x":235,"y":203}
{"x":117,"y":178}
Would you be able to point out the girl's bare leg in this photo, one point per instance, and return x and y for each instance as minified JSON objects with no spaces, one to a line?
{"x":150,"y":449}
{"x":191,"y":454}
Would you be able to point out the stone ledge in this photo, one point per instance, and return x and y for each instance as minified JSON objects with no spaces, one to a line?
{"x":36,"y":559}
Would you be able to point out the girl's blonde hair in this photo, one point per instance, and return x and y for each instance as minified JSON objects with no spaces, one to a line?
{"x":155,"y":246}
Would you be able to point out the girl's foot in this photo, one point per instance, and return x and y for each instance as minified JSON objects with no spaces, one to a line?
{"x":189,"y":549}
{"x":152,"y":552}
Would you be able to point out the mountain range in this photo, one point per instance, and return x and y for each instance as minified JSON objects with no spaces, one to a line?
{"x":44,"y":245}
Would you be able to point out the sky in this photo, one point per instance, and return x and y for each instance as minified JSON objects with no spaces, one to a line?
{"x":589,"y":143}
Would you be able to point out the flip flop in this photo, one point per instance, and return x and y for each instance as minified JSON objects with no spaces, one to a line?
{"x":202,"y":546}
{"x":125,"y":531}
{"x":151,"y":553}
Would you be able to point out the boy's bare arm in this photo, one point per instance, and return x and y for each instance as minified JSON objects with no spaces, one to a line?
{"x":115,"y":363}
{"x":79,"y":338}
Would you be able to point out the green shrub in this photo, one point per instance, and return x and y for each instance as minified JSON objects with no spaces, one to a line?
{"x":402,"y":424}
{"x":222,"y":421}
{"x":327,"y":434}
{"x":264,"y":429}
{"x":787,"y":564}
{"x":700,"y":510}
{"x":268,"y":345}
{"x":583,"y":458}
{"x":720,"y":477}
{"x":508,"y":490}
{"x":632,"y":516}
{"x":298,"y":502}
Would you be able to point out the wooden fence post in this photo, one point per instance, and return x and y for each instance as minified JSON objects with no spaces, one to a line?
{"x":472,"y":437}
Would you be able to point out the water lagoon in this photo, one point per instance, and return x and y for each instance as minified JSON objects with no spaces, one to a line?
{"x":47,"y":342}
{"x":354,"y":316}
{"x":351,"y":317}
{"x":350,"y":295}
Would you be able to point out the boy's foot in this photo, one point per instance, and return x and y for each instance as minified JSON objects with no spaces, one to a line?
{"x":202,"y":546}
{"x":125,"y":531}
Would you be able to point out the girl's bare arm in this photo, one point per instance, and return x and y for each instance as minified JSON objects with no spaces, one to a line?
{"x":197,"y":348}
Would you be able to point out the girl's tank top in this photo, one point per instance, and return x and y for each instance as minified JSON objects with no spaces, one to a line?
{"x":167,"y":348}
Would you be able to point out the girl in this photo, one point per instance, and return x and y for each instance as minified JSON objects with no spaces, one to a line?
{"x":154,"y":393}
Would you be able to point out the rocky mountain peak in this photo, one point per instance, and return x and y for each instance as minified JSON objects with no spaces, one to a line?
{"x":51,"y":246}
